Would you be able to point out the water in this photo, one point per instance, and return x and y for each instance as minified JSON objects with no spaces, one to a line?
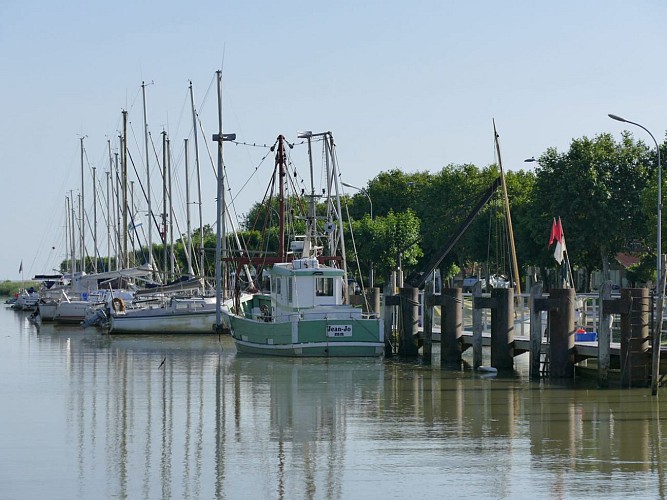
{"x":85,"y":416}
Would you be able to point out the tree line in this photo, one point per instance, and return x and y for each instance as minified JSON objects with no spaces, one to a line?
{"x":604,"y":191}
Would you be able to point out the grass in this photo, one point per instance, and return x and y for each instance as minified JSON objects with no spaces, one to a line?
{"x":10,"y":288}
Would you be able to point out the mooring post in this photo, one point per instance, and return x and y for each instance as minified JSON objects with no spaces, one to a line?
{"x":409,"y":322}
{"x":501,"y":304}
{"x":477,"y":327}
{"x":561,"y":330}
{"x":451,"y":326}
{"x":390,"y":301}
{"x":604,"y":336}
{"x":373,"y":300}
{"x":535,"y":332}
{"x":635,"y":361}
{"x":427,"y":322}
{"x":502,"y":329}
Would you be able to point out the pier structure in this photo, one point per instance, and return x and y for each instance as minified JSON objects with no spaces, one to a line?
{"x":558,"y":348}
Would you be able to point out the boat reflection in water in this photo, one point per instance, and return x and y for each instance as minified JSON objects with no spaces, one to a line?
{"x":188,"y":417}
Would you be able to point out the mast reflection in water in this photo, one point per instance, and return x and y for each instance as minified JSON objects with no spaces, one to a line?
{"x":91,"y":416}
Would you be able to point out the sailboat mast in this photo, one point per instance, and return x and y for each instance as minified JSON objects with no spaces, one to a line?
{"x":109,"y":215}
{"x":172,"y":263}
{"x":82,"y":215}
{"x":220,"y":215}
{"x":515,"y":267}
{"x":148,"y":180}
{"x":201,"y":218}
{"x":94,"y":221}
{"x":124,"y":167}
{"x":188,"y":242}
{"x":164,"y":205}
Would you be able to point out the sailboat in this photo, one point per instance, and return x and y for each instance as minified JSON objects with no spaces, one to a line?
{"x":305,"y":311}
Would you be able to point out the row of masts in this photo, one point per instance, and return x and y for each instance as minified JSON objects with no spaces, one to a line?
{"x":119,"y":214}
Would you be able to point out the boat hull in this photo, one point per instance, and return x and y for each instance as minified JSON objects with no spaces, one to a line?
{"x":308,"y":338}
{"x":160,"y":321}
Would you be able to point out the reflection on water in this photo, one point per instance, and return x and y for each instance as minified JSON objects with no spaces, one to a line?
{"x":91,"y":416}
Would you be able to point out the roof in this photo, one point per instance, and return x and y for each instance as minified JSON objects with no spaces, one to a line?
{"x":626,"y":259}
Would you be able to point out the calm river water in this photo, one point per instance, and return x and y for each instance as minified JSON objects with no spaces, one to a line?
{"x":86,"y":416}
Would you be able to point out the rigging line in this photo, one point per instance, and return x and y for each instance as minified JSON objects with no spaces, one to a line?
{"x":254,"y":172}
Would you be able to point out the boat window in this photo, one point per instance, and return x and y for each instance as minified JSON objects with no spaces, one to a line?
{"x":324,"y":287}
{"x":277,"y":286}
{"x":290,"y":286}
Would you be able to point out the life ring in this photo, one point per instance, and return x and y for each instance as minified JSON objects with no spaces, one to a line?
{"x":118,"y":304}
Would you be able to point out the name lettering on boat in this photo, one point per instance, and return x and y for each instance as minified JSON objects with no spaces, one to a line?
{"x":339,"y":330}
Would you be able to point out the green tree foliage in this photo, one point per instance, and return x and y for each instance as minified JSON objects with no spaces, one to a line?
{"x":382,"y":239}
{"x":596,"y":188}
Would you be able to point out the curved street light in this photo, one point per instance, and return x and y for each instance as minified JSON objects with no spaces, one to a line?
{"x":659,"y":286}
{"x":659,"y":242}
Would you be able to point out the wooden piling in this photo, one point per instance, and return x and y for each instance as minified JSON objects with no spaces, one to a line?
{"x":561,"y":332}
{"x":635,"y":361}
{"x":409,"y":317}
{"x":502,"y":329}
{"x":427,"y":323}
{"x":477,"y":327}
{"x":535,"y":332}
{"x":604,"y":336}
{"x":451,"y":326}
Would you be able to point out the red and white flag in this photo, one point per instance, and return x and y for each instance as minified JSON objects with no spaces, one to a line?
{"x":558,"y":236}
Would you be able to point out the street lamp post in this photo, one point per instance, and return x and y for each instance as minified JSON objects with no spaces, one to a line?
{"x":659,"y":285}
{"x":362,"y":190}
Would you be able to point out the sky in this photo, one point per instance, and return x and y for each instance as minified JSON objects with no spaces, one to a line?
{"x":408,"y":85}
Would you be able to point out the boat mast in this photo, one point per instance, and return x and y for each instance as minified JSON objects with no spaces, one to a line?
{"x":118,"y":217}
{"x":82,"y":241}
{"x":188,"y":242}
{"x":220,"y":247}
{"x":94,"y":222}
{"x":201,"y":218}
{"x":109,"y":218}
{"x":281,"y":159}
{"x":515,"y":267}
{"x":172,"y":263}
{"x":124,"y":167}
{"x":148,"y":181}
{"x":329,"y":145}
{"x":164,"y":205}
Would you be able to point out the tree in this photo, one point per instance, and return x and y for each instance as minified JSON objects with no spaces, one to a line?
{"x":596,"y":188}
{"x":385,"y":238}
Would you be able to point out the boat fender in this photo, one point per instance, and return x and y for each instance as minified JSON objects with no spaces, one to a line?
{"x":118,"y":304}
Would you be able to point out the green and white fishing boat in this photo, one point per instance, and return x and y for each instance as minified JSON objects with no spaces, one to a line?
{"x":306,"y":312}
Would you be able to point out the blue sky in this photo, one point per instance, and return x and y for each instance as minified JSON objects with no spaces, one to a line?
{"x":409,"y":85}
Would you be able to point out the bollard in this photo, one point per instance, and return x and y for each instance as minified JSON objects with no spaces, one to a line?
{"x":409,"y":317}
{"x":451,"y":326}
{"x":502,"y":329}
{"x":535,"y":331}
{"x":635,"y":361}
{"x":561,"y":328}
{"x":604,"y":336}
{"x":427,"y":323}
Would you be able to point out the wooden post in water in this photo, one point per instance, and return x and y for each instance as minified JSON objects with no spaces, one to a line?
{"x":409,"y":317}
{"x":373,"y":300}
{"x":502,"y":329}
{"x":451,"y":326}
{"x":604,"y":336}
{"x":388,"y":319}
{"x":635,"y":362}
{"x":535,"y":332}
{"x":657,"y":330}
{"x":477,"y":328}
{"x":561,"y":328}
{"x":427,"y":323}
